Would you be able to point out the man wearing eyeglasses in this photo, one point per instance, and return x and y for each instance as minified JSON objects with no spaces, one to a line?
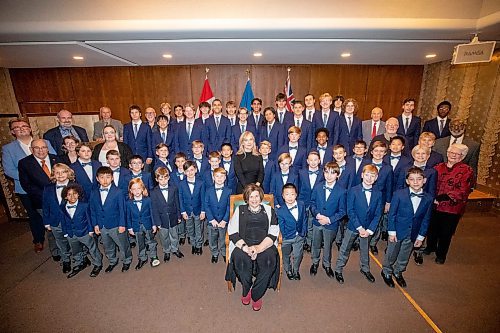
{"x":12,"y":153}
{"x":57,"y":134}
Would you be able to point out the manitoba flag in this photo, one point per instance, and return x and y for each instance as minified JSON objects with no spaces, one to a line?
{"x":289,"y":93}
{"x":206,"y":94}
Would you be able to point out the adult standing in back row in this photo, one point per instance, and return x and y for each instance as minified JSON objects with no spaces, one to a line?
{"x":55,"y":135}
{"x":409,"y":124}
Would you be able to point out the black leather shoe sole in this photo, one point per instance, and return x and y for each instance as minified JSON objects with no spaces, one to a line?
{"x":110,"y":268}
{"x":140,"y":264}
{"x":339,"y":277}
{"x":400,"y":280}
{"x":313,"y":270}
{"x":125,"y":267}
{"x":368,"y":276}
{"x":95,"y":271}
{"x":178,"y":254}
{"x":329,"y":272}
{"x":66,"y":267}
{"x":388,"y":280}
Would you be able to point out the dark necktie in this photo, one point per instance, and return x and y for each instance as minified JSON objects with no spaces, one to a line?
{"x":163,"y":137}
{"x":407,"y":124}
{"x":136,"y":130}
{"x":441,"y":126}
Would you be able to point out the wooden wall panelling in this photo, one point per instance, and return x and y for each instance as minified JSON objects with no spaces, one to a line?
{"x":42,"y":85}
{"x":98,"y":86}
{"x":8,"y":102}
{"x":37,"y":108}
{"x":325,"y":78}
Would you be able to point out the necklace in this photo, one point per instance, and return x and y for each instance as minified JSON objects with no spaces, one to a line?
{"x":255,"y":211}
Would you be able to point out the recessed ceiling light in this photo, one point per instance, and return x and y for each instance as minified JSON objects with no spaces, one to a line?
{"x":168,"y":56}
{"x":78,"y":58}
{"x":432,"y":55}
{"x":257,"y":54}
{"x":345,"y":55}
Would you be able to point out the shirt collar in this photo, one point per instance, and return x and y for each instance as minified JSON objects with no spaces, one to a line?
{"x":439,"y":118}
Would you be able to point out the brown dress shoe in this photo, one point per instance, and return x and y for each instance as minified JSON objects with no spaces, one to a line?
{"x":38,"y":247}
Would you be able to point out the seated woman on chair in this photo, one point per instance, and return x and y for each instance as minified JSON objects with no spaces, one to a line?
{"x":253,"y":233}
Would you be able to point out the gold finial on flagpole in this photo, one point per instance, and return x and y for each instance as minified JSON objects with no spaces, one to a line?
{"x":288,"y":69}
{"x":206,"y":72}
{"x":248,"y":73}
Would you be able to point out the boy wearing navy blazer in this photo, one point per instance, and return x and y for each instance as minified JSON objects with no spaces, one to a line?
{"x":241,"y":126}
{"x":273,"y":131}
{"x":306,"y":128}
{"x":439,"y":126}
{"x":283,"y":174}
{"x":177,"y":174}
{"x":188,"y":131}
{"x":165,"y":134}
{"x":52,"y":213}
{"x":308,"y":178}
{"x":138,"y":136}
{"x":409,"y":124}
{"x":269,"y":165}
{"x":217,"y":208}
{"x":198,"y":156}
{"x":322,"y":147}
{"x":350,"y":129}
{"x":297,"y":152}
{"x":162,"y":160}
{"x":364,"y":209}
{"x":326,"y":118}
{"x":397,"y":160}
{"x":228,"y":164}
{"x":328,"y":205}
{"x":85,"y":170}
{"x":76,"y":226}
{"x":208,"y":175}
{"x":166,"y":213}
{"x":140,"y":222}
{"x":136,"y":166}
{"x":408,"y":222}
{"x":191,"y":190}
{"x":107,"y":213}
{"x":292,"y":219}
{"x":121,"y":175}
{"x":359,"y":150}
{"x":217,"y":127}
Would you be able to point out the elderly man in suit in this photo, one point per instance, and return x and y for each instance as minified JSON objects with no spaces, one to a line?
{"x":457,"y":130}
{"x":57,"y":134}
{"x":12,"y":153}
{"x":440,"y":125}
{"x":374,"y":126}
{"x":34,"y":175}
{"x":391,"y":130}
{"x":105,"y":116}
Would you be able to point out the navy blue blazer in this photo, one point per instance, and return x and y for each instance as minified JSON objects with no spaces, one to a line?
{"x":276,"y":185}
{"x":334,"y":207}
{"x":146,"y":178}
{"x":142,"y":145}
{"x":183,"y":141}
{"x":125,"y":177}
{"x":231,"y":180}
{"x":384,"y":180}
{"x":79,"y":225}
{"x":305,"y":189}
{"x":166,"y":214}
{"x":268,"y":173}
{"x":169,"y":141}
{"x":112,"y":213}
{"x":327,"y":157}
{"x":430,"y":184}
{"x":348,"y":174}
{"x":289,"y":227}
{"x":332,"y":125}
{"x":433,"y":127}
{"x":207,"y":178}
{"x":51,"y":210}
{"x":287,"y":116}
{"x":192,"y":203}
{"x":236,"y":133}
{"x":299,"y":161}
{"x":276,"y":137}
{"x":175,"y":177}
{"x":306,"y":135}
{"x":360,"y":213}
{"x":33,"y":179}
{"x":204,"y":164}
{"x":82,"y":178}
{"x":161,"y":164}
{"x":55,"y":138}
{"x":402,"y":219}
{"x":217,"y":210}
{"x":257,"y":126}
{"x":348,"y":138}
{"x":413,"y":132}
{"x":403,"y":164}
{"x":135,"y":217}
{"x":216,"y":137}
{"x":434,"y":159}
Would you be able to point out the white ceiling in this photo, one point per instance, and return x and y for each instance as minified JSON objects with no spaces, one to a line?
{"x":48,"y":33}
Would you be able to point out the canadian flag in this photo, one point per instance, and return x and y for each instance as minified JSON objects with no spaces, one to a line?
{"x":206,"y":93}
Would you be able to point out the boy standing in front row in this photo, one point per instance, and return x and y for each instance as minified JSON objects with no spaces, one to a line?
{"x":107,"y":212}
{"x":409,"y":217}
{"x":364,"y":208}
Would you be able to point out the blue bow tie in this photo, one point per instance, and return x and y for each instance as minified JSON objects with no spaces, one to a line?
{"x":190,"y":183}
{"x":418,"y":195}
{"x":137,"y":176}
{"x":313,"y":172}
{"x":71,"y":207}
{"x":367,"y":189}
{"x":342,"y":167}
{"x":378,"y":165}
{"x":60,"y":186}
{"x":137,"y":201}
{"x":293,"y":207}
{"x":358,"y":158}
{"x":198,"y":160}
{"x":292,"y":148}
{"x":226,"y":162}
{"x":117,"y":170}
{"x":421,"y":167}
{"x":327,"y":188}
{"x":265,"y":160}
{"x":219,"y":189}
{"x":395,"y":157}
{"x":322,"y":148}
{"x":104,"y":189}
{"x":84,"y":164}
{"x":284,"y":174}
{"x":164,"y":188}
{"x":179,"y":174}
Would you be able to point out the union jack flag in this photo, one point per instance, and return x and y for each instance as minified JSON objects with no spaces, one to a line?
{"x":289,"y":93}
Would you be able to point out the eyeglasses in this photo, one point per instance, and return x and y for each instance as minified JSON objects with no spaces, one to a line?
{"x":454,"y":153}
{"x":20,"y":127}
{"x":40,"y":148}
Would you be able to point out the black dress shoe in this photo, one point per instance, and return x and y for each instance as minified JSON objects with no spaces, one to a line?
{"x":205,"y":243}
{"x":289,"y":275}
{"x":427,"y":251}
{"x":166,"y":257}
{"x":314,"y":269}
{"x":189,"y":240}
{"x":338,"y":246}
{"x":139,"y":264}
{"x":419,"y":259}
{"x":199,"y":251}
{"x":182,"y":241}
{"x":384,"y":236}
{"x":95,"y":271}
{"x":56,"y":258}
{"x":193,"y":250}
{"x":215,"y":259}
{"x":355,"y":246}
{"x":87,"y":261}
{"x":178,"y":254}
{"x":66,"y":267}
{"x":387,"y":279}
{"x":110,"y":268}
{"x":339,"y":277}
{"x":296,"y":276}
{"x":132,"y":245}
{"x":125,"y":267}
{"x":76,"y":270}
{"x":368,"y":276}
{"x":329,"y":272}
{"x":307,"y":247}
{"x":374,"y":250}
{"x":439,"y":261}
{"x":400,"y":280}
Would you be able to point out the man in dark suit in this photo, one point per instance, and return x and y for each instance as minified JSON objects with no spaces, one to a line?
{"x":255,"y":117}
{"x":440,"y":125}
{"x":409,"y":124}
{"x":138,"y":136}
{"x":457,"y":130}
{"x":55,"y":135}
{"x":217,"y":128}
{"x":34,"y":174}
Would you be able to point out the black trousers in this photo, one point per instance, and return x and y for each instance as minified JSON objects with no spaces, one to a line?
{"x":265,"y":266}
{"x":35,"y":219}
{"x":441,"y":230}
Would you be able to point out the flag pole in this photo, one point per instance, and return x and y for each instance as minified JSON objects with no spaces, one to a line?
{"x":206,"y":72}
{"x":248,"y":73}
